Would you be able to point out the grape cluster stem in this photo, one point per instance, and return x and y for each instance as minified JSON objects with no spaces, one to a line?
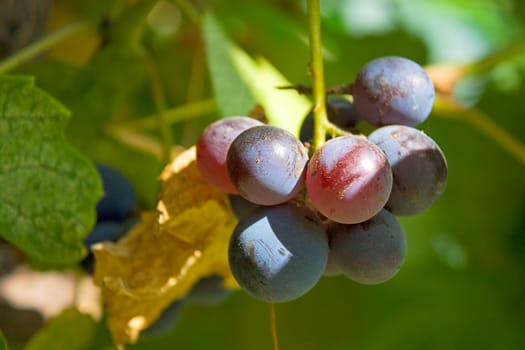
{"x":273,"y":326}
{"x":317,"y":74}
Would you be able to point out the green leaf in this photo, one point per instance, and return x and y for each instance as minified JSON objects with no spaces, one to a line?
{"x":92,"y":93}
{"x":99,"y":90}
{"x":283,"y":108}
{"x":240,"y":82}
{"x":3,"y":342}
{"x":71,"y":330}
{"x":48,"y":190}
{"x":95,"y":95}
{"x":233,"y":97}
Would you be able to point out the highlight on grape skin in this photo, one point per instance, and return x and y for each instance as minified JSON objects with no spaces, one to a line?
{"x":370,"y":252}
{"x":418,"y":166}
{"x":212,"y":149}
{"x":266,"y":165}
{"x":278,"y":253}
{"x":393,"y":90}
{"x":349,"y":179}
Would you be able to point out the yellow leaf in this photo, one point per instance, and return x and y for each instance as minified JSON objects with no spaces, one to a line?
{"x":170,"y":250}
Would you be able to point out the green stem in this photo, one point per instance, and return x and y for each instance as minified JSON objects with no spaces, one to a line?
{"x":195,"y":91}
{"x":136,"y":140}
{"x":171,"y":116}
{"x":334,"y":130}
{"x":483,"y":123}
{"x":446,"y":76}
{"x":317,"y":73}
{"x":42,"y":45}
{"x":160,"y":105}
{"x":488,"y":63}
{"x":189,"y":10}
{"x":273,"y":326}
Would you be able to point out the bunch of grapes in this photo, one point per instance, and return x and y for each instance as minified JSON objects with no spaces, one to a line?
{"x":301,"y":217}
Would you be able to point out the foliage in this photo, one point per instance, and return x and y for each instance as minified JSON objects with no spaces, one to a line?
{"x":69,"y":330}
{"x":49,"y":189}
{"x":3,"y":344}
{"x":129,"y":84}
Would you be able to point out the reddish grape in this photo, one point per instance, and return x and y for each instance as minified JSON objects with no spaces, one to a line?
{"x":349,"y":179}
{"x":212,"y":149}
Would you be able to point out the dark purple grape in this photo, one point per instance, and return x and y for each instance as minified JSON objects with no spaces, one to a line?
{"x":341,"y":112}
{"x":212,"y":148}
{"x":266,"y":165}
{"x":393,"y":90}
{"x":119,"y":197}
{"x":370,"y":252}
{"x":419,"y":168}
{"x":349,"y":179}
{"x":278,"y":253}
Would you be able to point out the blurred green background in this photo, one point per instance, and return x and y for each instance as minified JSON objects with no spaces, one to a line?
{"x":463,"y":283}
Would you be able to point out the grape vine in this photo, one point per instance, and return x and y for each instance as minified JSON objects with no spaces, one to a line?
{"x":267,"y":186}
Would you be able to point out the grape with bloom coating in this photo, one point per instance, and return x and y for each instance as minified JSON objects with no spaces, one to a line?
{"x":370,"y":252}
{"x":349,"y":179}
{"x":278,"y":253}
{"x":393,"y":90}
{"x":418,"y":166}
{"x":266,"y":165}
{"x":208,"y":290}
{"x":212,"y":148}
{"x":240,"y":206}
{"x":119,"y":196}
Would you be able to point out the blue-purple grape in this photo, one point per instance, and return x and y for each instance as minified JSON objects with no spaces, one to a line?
{"x":393,"y":90}
{"x":166,"y":321}
{"x":208,"y":290}
{"x":266,"y":165}
{"x":212,"y":148}
{"x":340,"y":111}
{"x":349,"y":179}
{"x":278,"y":253}
{"x":419,"y":168}
{"x":118,"y":199}
{"x":240,"y":206}
{"x":370,"y":252}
